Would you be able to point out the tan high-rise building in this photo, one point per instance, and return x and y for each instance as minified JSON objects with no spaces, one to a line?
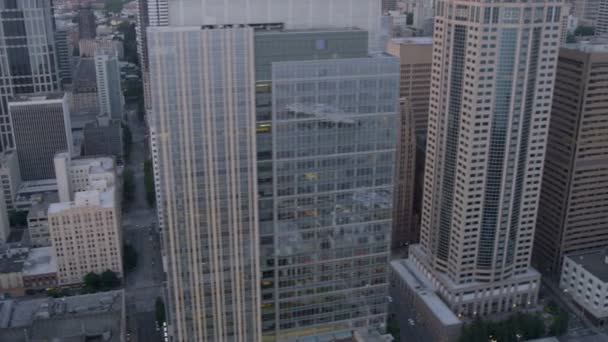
{"x":573,"y":210}
{"x":491,"y":89}
{"x":415,"y":55}
{"x":85,"y":232}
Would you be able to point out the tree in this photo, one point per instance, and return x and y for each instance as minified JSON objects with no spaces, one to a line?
{"x":149,"y":183}
{"x":128,"y":186}
{"x":92,"y":281}
{"x":114,"y":6}
{"x":129,"y":258}
{"x":584,"y":31}
{"x":159,"y":309}
{"x":409,"y":19}
{"x":109,"y":279}
{"x":560,"y":323}
{"x":17,"y":218}
{"x":393,"y":328}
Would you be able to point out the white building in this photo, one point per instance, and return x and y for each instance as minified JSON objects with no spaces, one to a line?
{"x":585,"y":278}
{"x":86,"y":232}
{"x":109,"y":91}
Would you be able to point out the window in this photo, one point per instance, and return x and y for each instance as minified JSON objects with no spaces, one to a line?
{"x":320,"y":44}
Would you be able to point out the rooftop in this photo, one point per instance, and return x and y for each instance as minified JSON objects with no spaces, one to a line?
{"x":40,"y":261}
{"x":95,"y":165}
{"x":26,"y":100}
{"x":589,"y":46}
{"x":104,"y":199}
{"x":424,"y":290}
{"x":84,"y":76}
{"x":40,"y":207}
{"x":594,"y":262}
{"x":413,"y":40}
{"x":92,"y":317}
{"x":12,"y":263}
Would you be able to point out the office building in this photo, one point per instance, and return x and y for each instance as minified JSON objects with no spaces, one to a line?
{"x":64,"y":56}
{"x":10,"y":177}
{"x":30,"y":68}
{"x":493,"y":73}
{"x":91,"y":317}
{"x":109,"y":90}
{"x":87,"y":27}
{"x":38,"y":220}
{"x":584,"y":279}
{"x":84,"y":102}
{"x":91,"y":220}
{"x":586,"y":11}
{"x":389,"y":5}
{"x":88,"y":47}
{"x":573,"y":208}
{"x":415,"y":55}
{"x":103,"y":137}
{"x":195,"y":180}
{"x":5,"y":228}
{"x":601,"y":23}
{"x":41,"y":126}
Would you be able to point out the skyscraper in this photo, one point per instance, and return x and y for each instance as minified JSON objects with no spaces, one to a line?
{"x":203,"y":113}
{"x":109,"y":91}
{"x":41,"y":125}
{"x":64,"y":56}
{"x":27,"y":55}
{"x":573,"y":208}
{"x":493,"y":73}
{"x":87,"y":27}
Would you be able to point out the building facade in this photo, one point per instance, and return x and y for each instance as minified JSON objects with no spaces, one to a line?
{"x":87,"y":26}
{"x":109,"y":88}
{"x":203,"y":111}
{"x":86,"y":234}
{"x":103,"y":137}
{"x":27,"y":52}
{"x":573,"y":208}
{"x":491,"y":89}
{"x":64,"y":56}
{"x":10,"y":176}
{"x":415,"y":55}
{"x":584,"y":279}
{"x":41,"y":128}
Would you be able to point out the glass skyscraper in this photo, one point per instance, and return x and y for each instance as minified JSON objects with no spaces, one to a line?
{"x":27,"y":55}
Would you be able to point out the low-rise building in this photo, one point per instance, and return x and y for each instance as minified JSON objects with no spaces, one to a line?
{"x":78,"y":174}
{"x":411,"y":289}
{"x":584,"y":278}
{"x":37,"y":220}
{"x":23,"y":269}
{"x":91,"y":317}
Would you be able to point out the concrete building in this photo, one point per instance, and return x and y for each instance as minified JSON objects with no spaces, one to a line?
{"x":29,"y":68}
{"x":410,"y":288}
{"x":41,"y":127}
{"x":389,"y":5}
{"x":586,"y":11}
{"x":10,"y":177}
{"x":601,"y":23}
{"x":585,"y":280}
{"x":109,"y":89}
{"x":86,"y":188}
{"x":23,"y":269}
{"x":103,"y":137}
{"x":88,"y":47}
{"x":573,"y":208}
{"x":86,"y":233}
{"x":64,"y":56}
{"x":37,"y":220}
{"x":491,"y":93}
{"x":415,"y":55}
{"x":92,"y":317}
{"x":87,"y":26}
{"x":80,"y":174}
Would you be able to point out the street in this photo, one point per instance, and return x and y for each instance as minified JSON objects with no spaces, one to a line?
{"x":144,"y":284}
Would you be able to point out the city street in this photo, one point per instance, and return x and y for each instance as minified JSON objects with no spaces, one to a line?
{"x":144,"y":284}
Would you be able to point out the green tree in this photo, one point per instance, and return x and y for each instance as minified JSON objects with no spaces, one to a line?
{"x":109,"y":279}
{"x":393,"y":328}
{"x":92,"y":281}
{"x":149,"y":183}
{"x":560,"y":323}
{"x":129,"y":258}
{"x":159,"y":310}
{"x":114,"y":6}
{"x":584,"y":31}
{"x":128,"y":186}
{"x":17,"y":218}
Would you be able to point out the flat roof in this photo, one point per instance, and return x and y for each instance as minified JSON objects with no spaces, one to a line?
{"x":593,"y":261}
{"x":424,"y":291}
{"x":40,"y":261}
{"x":413,"y":40}
{"x":24,"y":100}
{"x":13,"y":263}
{"x":106,"y":200}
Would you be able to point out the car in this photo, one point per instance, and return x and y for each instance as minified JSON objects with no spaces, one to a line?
{"x":411,"y":321}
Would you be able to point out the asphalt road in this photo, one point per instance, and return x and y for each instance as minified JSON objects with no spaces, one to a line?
{"x":144,"y":284}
